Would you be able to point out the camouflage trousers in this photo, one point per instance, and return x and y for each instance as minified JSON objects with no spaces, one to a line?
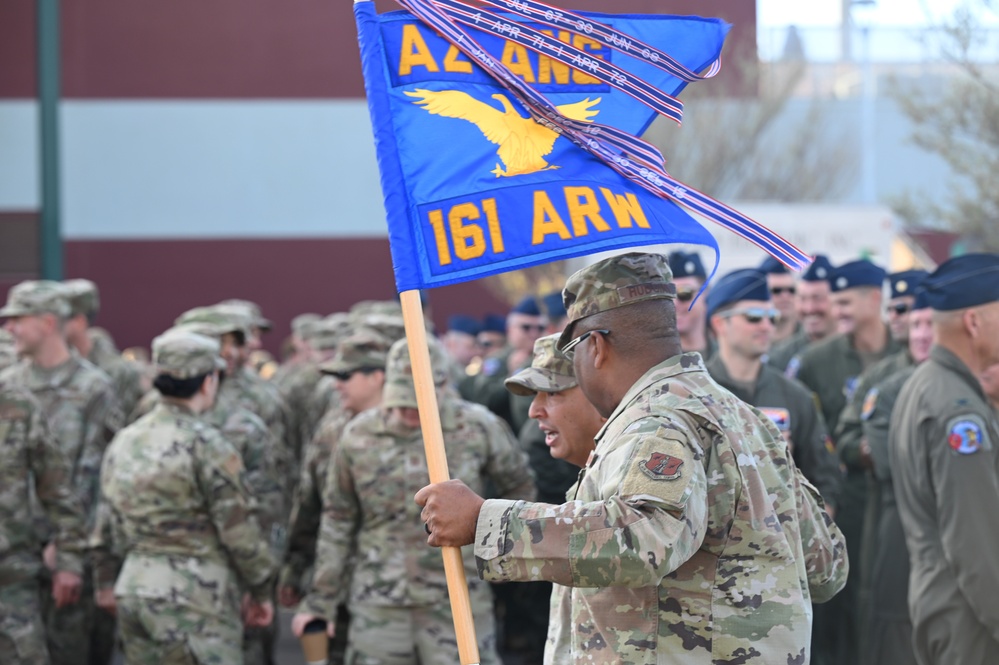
{"x":414,"y":635}
{"x":155,"y":630}
{"x":22,"y":632}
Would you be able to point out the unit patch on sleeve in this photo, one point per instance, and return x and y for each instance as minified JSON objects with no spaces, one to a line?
{"x":967,"y":434}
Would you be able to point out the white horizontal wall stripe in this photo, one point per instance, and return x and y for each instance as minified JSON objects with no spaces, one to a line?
{"x":219,"y":169}
{"x":19,"y":188}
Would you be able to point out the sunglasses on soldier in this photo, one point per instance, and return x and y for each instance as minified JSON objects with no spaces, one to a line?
{"x":753,"y":315}
{"x":345,"y":376}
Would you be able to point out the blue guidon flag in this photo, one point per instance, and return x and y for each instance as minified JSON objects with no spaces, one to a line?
{"x":506,"y":135}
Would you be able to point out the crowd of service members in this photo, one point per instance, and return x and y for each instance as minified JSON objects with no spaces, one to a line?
{"x":681,"y":470}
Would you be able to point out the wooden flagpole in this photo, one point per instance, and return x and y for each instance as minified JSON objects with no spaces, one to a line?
{"x":433,"y":444}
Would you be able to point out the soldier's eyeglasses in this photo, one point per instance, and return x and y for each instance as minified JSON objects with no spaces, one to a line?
{"x":778,"y":290}
{"x":899,"y":308}
{"x":685,"y":296}
{"x":345,"y":376}
{"x":754,"y":315}
{"x":569,"y":350}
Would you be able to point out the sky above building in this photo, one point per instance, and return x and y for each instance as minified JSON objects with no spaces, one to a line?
{"x":775,"y":13}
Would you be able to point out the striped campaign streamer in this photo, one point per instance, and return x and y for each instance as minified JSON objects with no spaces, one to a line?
{"x":554,"y":17}
{"x":539,"y":42}
{"x":628,"y":155}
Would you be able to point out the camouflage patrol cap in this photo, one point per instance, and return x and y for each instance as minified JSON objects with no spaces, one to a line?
{"x":399,"y":387}
{"x":366,"y":307}
{"x":615,"y":282}
{"x":303,"y":324}
{"x":41,"y":296}
{"x":208,"y":321}
{"x":83,"y":296}
{"x":250,"y":310}
{"x":549,"y":372}
{"x":184,"y":354}
{"x":329,"y":332}
{"x":391,"y":326}
{"x":363,"y":348}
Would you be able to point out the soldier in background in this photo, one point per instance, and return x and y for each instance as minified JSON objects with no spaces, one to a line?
{"x":903,"y":287}
{"x":524,"y":325}
{"x":492,"y":336}
{"x":359,"y":370}
{"x":83,"y":414}
{"x":691,"y":320}
{"x":84,"y":302}
{"x":555,"y":312}
{"x":33,"y":467}
{"x":782,"y":287}
{"x":831,"y":369}
{"x":397,"y":589}
{"x":886,"y":631}
{"x":314,"y":393}
{"x":558,"y":439}
{"x":743,"y":321}
{"x":814,"y":309}
{"x":257,"y":324}
{"x":944,"y":460}
{"x":301,"y":353}
{"x":243,"y":386}
{"x":461,"y":344}
{"x":178,"y":510}
{"x":691,"y":531}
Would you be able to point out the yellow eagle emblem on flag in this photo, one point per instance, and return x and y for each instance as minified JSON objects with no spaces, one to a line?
{"x":523,"y":143}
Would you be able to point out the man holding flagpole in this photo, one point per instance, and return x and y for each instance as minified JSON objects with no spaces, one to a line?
{"x":691,"y":534}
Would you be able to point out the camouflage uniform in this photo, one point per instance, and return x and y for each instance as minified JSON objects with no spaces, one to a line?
{"x":83,"y":414}
{"x":30,"y":464}
{"x":364,"y":348}
{"x":242,"y":386}
{"x":125,"y":376}
{"x":179,"y":510}
{"x":323,"y":396}
{"x":527,"y":610}
{"x":269,"y":471}
{"x":301,"y":328}
{"x":398,"y":592}
{"x":8,"y":351}
{"x":689,"y":525}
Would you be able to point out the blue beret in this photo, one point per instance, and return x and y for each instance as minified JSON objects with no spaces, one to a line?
{"x":856,"y":273}
{"x":529,"y":306}
{"x":904,"y":283}
{"x":464,"y":323}
{"x":772,"y":266}
{"x":745,"y":284}
{"x":554,"y":305}
{"x":683,"y":264}
{"x":819,"y":270}
{"x":964,"y":281}
{"x":922,"y":301}
{"x":494,"y":323}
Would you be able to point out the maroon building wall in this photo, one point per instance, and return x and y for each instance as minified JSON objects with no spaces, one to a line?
{"x":258,"y":48}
